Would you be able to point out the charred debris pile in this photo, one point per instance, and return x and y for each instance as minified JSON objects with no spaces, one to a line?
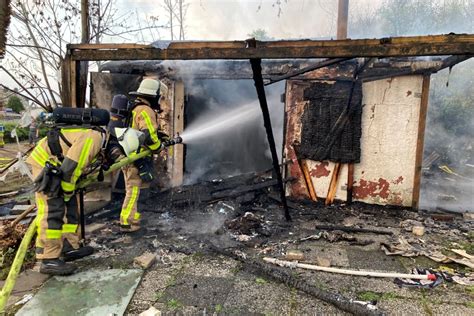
{"x":245,"y":212}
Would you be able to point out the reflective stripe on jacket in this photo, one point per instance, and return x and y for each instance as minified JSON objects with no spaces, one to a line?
{"x":145,"y":119}
{"x":85,"y":145}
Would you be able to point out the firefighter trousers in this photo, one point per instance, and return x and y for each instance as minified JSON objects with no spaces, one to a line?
{"x":56,"y":220}
{"x":129,"y":214}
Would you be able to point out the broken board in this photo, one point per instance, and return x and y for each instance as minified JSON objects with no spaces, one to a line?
{"x":93,"y":292}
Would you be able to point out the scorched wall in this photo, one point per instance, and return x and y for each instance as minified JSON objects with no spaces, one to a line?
{"x":390,"y":119}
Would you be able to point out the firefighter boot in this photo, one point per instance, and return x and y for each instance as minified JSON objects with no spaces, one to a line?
{"x":56,"y":267}
{"x":129,"y":228}
{"x":70,"y":254}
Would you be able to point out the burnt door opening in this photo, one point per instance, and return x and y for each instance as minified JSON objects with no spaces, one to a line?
{"x":234,"y":140}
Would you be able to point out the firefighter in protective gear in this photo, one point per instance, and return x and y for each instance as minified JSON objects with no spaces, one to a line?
{"x":2,"y":132}
{"x":144,"y":117}
{"x":56,"y":176}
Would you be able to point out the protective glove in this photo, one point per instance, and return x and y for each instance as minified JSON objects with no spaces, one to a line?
{"x":49,"y":181}
{"x":116,"y":154}
{"x":145,"y":169}
{"x":41,"y":181}
{"x":55,"y":185}
{"x":162,"y":136}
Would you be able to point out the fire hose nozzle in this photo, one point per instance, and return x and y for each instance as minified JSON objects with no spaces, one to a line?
{"x":178,"y":139}
{"x":174,"y":141}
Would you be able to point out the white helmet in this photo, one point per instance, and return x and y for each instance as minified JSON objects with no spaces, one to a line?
{"x":130,"y":139}
{"x":148,"y":87}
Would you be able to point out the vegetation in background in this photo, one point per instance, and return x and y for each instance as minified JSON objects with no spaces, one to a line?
{"x":15,"y":104}
{"x":260,"y":35}
{"x":450,"y":127}
{"x":20,"y":131}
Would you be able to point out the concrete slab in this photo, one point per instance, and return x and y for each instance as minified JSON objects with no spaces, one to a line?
{"x":198,"y":291}
{"x":93,"y":292}
{"x":373,"y":260}
{"x":258,"y":296}
{"x":314,"y":250}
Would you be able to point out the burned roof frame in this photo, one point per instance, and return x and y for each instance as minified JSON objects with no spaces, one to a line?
{"x":451,"y":44}
{"x":255,"y":51}
{"x":431,"y":45}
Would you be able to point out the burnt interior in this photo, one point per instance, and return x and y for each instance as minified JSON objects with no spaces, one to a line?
{"x":243,"y":148}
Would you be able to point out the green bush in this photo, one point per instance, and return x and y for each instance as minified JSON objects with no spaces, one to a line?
{"x":15,"y":104}
{"x":22,"y":132}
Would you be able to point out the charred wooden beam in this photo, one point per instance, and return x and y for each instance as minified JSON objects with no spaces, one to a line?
{"x":246,"y":188}
{"x":378,"y":74}
{"x":287,"y":277}
{"x":354,"y":229}
{"x":258,"y":80}
{"x":322,"y":64}
{"x":451,"y":44}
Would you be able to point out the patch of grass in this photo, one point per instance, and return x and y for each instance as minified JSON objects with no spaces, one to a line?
{"x":425,"y":303}
{"x":470,"y":235}
{"x":171,"y":281}
{"x":197,"y":256}
{"x":293,"y":302}
{"x":236,"y":269}
{"x":469,"y":289}
{"x":389,"y":296}
{"x":7,"y":257}
{"x":218,"y":308}
{"x":159,"y":295}
{"x":470,"y":304}
{"x":260,"y":281}
{"x":320,"y":285}
{"x":295,"y":274}
{"x":368,"y":296}
{"x":468,"y":246}
{"x":174,"y":304}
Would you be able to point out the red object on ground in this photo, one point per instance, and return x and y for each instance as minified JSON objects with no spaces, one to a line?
{"x":432,"y":277}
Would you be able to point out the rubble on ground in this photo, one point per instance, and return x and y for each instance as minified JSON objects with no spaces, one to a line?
{"x":198,"y":235}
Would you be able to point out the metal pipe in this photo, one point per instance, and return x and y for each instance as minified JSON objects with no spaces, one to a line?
{"x":290,"y":264}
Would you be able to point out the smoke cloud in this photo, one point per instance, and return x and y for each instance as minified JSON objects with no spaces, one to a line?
{"x":224,"y":132}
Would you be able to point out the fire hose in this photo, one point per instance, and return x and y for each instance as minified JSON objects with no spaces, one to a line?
{"x":94,"y":177}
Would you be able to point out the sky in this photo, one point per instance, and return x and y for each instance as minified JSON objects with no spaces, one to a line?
{"x":235,"y":19}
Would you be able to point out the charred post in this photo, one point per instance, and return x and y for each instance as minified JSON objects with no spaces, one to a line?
{"x":257,"y":77}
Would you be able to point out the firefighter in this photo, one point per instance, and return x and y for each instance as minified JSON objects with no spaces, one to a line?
{"x":143,"y":117}
{"x":57,"y":163}
{"x":2,"y":131}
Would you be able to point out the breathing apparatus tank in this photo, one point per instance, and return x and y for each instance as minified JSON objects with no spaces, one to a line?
{"x":120,"y":111}
{"x":80,"y":116}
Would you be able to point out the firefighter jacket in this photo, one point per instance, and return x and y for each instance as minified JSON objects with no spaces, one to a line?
{"x":145,"y":119}
{"x":85,"y":145}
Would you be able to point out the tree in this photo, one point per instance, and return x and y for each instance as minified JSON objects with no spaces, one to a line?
{"x":15,"y":104}
{"x":39,"y":33}
{"x":260,"y":34}
{"x":176,"y":10}
{"x":411,"y":17}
